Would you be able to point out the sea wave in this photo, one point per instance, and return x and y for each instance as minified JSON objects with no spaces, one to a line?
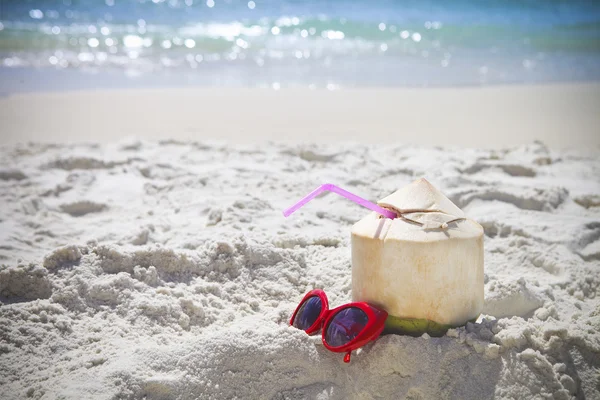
{"x":493,"y":42}
{"x":285,"y":37}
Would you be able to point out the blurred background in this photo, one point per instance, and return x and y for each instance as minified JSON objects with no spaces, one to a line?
{"x":74,"y":44}
{"x":432,"y":72}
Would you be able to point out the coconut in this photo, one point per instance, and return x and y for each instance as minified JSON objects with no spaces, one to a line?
{"x":425,"y":267}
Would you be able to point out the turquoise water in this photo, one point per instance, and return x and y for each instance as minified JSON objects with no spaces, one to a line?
{"x":334,"y":43}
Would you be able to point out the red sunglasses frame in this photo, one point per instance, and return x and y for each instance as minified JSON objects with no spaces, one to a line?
{"x":375,"y":322}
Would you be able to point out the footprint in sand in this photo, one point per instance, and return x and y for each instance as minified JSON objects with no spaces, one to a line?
{"x":81,"y":208}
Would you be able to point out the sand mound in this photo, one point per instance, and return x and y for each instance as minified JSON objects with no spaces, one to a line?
{"x":166,"y":271}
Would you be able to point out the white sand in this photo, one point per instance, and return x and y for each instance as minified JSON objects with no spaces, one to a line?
{"x":562,"y":116}
{"x":166,"y":271}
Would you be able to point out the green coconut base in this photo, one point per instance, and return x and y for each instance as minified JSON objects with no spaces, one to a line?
{"x":416,"y":326}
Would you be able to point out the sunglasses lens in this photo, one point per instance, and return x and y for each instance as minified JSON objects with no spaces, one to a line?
{"x":308,"y":313}
{"x":345,"y":326}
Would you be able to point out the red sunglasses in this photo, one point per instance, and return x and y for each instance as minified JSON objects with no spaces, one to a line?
{"x":345,"y":328}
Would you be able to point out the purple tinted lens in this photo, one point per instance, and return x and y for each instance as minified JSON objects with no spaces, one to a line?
{"x":345,"y":326}
{"x":308,"y":313}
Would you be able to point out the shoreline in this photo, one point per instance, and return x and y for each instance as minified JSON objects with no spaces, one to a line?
{"x":563,"y":116}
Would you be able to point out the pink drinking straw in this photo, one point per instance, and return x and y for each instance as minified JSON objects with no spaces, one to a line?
{"x":341,"y":192}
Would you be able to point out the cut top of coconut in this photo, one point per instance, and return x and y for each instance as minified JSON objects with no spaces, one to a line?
{"x":417,"y":227}
{"x":420,"y":196}
{"x":431,"y":220}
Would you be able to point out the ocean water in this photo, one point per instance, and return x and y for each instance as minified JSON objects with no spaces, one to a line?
{"x":56,"y":44}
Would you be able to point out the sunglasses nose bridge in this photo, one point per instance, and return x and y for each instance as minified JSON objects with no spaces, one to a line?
{"x":322,"y":319}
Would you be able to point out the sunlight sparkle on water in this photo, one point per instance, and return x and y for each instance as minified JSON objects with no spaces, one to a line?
{"x":133,"y":41}
{"x":85,"y":57}
{"x":36,"y":14}
{"x":241,"y":43}
{"x":333,"y":35}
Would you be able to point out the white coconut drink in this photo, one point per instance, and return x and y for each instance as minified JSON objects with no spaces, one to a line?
{"x":418,"y":257}
{"x":424,"y":267}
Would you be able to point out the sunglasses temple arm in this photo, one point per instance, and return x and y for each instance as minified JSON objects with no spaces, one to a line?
{"x":344,"y":193}
{"x":347,"y":356}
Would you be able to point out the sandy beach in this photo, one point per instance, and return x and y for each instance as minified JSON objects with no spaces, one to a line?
{"x":161,"y":268}
{"x":563,"y":116}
